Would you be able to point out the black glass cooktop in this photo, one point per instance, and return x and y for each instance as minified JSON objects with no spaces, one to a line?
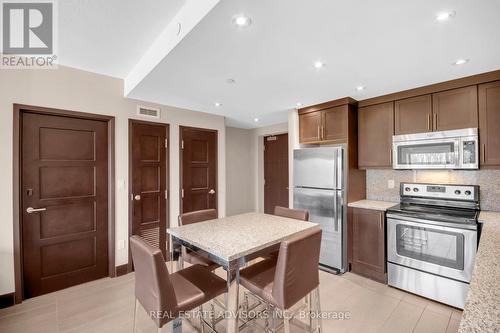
{"x":436,"y":213}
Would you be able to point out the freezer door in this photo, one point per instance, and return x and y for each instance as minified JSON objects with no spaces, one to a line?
{"x":318,"y":167}
{"x":325,"y":208}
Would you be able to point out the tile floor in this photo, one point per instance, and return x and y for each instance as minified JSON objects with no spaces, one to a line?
{"x":107,"y":305}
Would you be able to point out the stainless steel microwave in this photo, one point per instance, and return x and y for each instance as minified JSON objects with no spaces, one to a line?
{"x":456,"y":149}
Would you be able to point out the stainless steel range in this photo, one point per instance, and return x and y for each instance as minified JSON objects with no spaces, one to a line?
{"x":432,"y":238}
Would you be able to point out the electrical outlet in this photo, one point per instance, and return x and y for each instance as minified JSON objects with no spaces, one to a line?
{"x":390,"y":183}
{"x":121,"y":244}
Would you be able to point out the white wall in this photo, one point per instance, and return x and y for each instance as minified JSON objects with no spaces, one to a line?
{"x":76,"y":90}
{"x":258,"y":147}
{"x":240,"y":175}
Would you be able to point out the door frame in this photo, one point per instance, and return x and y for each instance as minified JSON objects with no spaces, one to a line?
{"x":17,"y":182}
{"x":167,"y":185}
{"x":181,"y":128}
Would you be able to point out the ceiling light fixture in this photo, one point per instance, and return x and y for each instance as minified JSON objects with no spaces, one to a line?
{"x":242,"y":21}
{"x":256,"y":120}
{"x":319,"y":64}
{"x":299,"y":104}
{"x":443,"y":16}
{"x":230,"y":81}
{"x":360,"y":88}
{"x":217,"y":104}
{"x":459,"y":62}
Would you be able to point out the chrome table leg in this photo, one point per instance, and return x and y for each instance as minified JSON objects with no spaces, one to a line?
{"x":233,"y":282}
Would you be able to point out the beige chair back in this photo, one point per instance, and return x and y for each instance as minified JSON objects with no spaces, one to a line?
{"x":197,"y":216}
{"x":297,"y":214}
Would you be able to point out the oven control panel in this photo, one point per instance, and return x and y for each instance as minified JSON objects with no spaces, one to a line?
{"x":435,"y":191}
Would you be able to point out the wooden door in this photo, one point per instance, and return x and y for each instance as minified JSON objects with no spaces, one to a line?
{"x":148,"y":182}
{"x":310,"y":127}
{"x":375,"y":130}
{"x":335,"y":124}
{"x":489,"y":120}
{"x":368,"y":257}
{"x":455,"y":109}
{"x":275,"y":172}
{"x":65,"y":179}
{"x":413,"y":115}
{"x":199,"y":169}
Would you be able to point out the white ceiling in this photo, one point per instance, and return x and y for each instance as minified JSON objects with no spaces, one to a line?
{"x":109,"y":37}
{"x":387,"y":46}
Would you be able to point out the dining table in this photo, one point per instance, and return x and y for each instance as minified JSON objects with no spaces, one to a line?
{"x":233,"y":242}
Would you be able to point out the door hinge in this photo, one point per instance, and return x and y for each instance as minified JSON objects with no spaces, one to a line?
{"x":166,"y":143}
{"x":182,"y":144}
{"x":166,"y":194}
{"x":182,"y":193}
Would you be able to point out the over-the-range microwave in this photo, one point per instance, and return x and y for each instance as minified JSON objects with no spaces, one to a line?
{"x":455,"y":149}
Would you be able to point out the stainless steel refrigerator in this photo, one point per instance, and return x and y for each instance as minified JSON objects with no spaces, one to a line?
{"x":318,"y":177}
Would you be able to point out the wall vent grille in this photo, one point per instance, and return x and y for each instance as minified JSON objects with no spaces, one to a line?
{"x":148,"y":112}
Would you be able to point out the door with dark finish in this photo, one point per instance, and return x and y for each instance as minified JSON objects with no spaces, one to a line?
{"x":198,"y":169}
{"x":335,"y":124}
{"x":64,"y":193}
{"x":375,"y":131}
{"x":489,"y":119}
{"x":413,"y":115}
{"x":148,"y":179}
{"x":275,"y":172}
{"x":310,"y":127}
{"x":368,"y":247}
{"x":455,"y":109}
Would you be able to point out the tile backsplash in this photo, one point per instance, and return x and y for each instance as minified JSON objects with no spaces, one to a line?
{"x":488,"y":180}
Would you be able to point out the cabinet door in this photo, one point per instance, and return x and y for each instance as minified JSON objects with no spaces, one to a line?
{"x":455,"y":109}
{"x":413,"y":115}
{"x":335,"y":124}
{"x":489,"y":119}
{"x":368,"y":257}
{"x":375,"y":130}
{"x":310,"y":127}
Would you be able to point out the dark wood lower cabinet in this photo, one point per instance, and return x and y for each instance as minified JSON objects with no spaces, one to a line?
{"x":366,"y":238}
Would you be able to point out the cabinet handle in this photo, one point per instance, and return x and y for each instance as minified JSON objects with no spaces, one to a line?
{"x":319,"y":132}
{"x":483,"y":153}
{"x":380,"y":221}
{"x":435,"y":120}
{"x":429,"y":121}
{"x":322,"y":131}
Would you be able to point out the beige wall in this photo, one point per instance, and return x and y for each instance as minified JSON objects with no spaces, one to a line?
{"x":77,"y":90}
{"x":240,"y":175}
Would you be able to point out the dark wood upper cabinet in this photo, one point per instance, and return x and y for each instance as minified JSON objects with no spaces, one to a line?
{"x":489,"y":118}
{"x":413,"y":115}
{"x":375,"y":131}
{"x":455,"y":109}
{"x":310,"y":127}
{"x":368,"y":243}
{"x":334,"y":124}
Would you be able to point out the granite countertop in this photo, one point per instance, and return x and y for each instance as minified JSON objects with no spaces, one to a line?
{"x":235,"y":236}
{"x":372,"y":204}
{"x":482,"y":308}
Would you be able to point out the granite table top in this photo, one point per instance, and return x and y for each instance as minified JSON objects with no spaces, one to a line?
{"x":372,"y":204}
{"x":233,"y":237}
{"x":482,"y":308}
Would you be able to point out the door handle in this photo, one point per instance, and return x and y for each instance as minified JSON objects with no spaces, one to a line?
{"x":31,"y":210}
{"x":212,"y":191}
{"x":137,"y":197}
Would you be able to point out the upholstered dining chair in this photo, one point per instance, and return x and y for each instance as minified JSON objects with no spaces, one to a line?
{"x":297,"y":214}
{"x":195,"y":217}
{"x":284,"y":281}
{"x":165,"y":296}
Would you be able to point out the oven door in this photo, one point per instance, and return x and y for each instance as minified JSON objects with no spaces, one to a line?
{"x":427,"y":154}
{"x":445,"y":251}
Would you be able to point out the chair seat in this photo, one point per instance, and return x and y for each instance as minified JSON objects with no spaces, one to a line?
{"x":196,"y":285}
{"x":195,"y":259}
{"x":259,"y":279}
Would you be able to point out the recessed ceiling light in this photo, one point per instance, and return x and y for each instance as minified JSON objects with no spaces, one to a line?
{"x":256,"y":120}
{"x":461,"y":61}
{"x":443,"y":16}
{"x":319,"y":64}
{"x":242,"y":21}
{"x":230,"y":81}
{"x":299,"y":104}
{"x":217,"y":104}
{"x":360,"y":88}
